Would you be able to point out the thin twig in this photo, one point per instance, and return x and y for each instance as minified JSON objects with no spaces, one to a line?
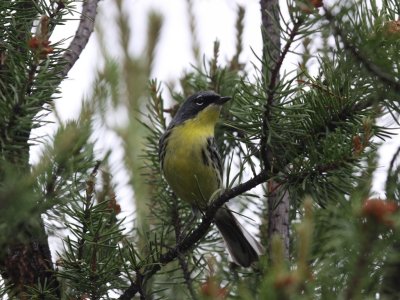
{"x":393,"y":160}
{"x":197,"y":234}
{"x":93,"y":268}
{"x":392,"y":178}
{"x":89,"y":195}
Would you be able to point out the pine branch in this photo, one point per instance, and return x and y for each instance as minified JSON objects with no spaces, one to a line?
{"x":194,"y":41}
{"x":183,"y":263}
{"x":392,"y":176}
{"x":82,"y":35}
{"x":360,"y":57}
{"x":390,"y":288}
{"x":196,"y":235}
{"x":239,"y":26}
{"x":87,"y":208}
{"x":361,"y":264}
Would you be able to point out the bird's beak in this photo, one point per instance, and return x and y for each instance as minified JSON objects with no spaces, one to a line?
{"x":222,"y":100}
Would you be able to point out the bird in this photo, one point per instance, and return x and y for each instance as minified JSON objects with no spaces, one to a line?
{"x":192,"y":166}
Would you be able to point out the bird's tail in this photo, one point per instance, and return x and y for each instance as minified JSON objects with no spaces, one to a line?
{"x":242,"y":246}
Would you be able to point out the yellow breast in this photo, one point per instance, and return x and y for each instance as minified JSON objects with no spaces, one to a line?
{"x":185,"y":167}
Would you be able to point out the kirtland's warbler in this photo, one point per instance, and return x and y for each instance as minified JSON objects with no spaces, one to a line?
{"x":192,"y":166}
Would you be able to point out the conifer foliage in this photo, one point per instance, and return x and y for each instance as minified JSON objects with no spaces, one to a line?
{"x":303,"y":128}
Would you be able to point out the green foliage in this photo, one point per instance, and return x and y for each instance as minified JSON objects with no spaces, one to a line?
{"x":91,"y":260}
{"x":319,"y":122}
{"x":28,"y":74}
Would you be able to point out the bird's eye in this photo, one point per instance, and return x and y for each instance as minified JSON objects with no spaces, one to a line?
{"x":199,"y":102}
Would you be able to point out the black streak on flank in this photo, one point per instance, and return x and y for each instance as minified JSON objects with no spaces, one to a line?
{"x":215,"y":157}
{"x":204,"y":157}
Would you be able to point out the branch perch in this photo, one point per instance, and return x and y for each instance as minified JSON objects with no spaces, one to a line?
{"x":196,"y":235}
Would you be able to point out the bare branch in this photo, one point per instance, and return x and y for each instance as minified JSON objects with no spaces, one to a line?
{"x":82,"y":35}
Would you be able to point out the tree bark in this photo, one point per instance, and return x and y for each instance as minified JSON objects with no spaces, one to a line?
{"x":28,"y":263}
{"x":278,"y":200}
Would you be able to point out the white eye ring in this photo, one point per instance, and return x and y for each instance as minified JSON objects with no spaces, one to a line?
{"x":199,"y":102}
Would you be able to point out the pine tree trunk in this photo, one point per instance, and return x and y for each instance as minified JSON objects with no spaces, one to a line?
{"x":28,"y":264}
{"x":277,"y":215}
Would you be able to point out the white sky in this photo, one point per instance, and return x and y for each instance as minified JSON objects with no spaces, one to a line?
{"x":216,"y":19}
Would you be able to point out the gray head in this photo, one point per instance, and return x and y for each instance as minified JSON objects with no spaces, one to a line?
{"x":196,"y":103}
